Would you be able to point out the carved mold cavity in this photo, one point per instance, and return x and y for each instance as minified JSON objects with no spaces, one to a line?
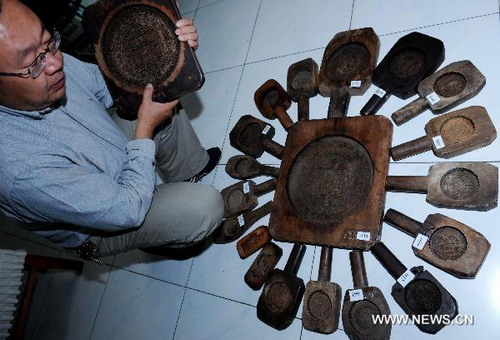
{"x":448,"y":243}
{"x":406,"y":63}
{"x":460,"y":184}
{"x":457,"y":129}
{"x":278,"y":297}
{"x":422,"y":297}
{"x":301,"y":79}
{"x":250,"y":135}
{"x":329,"y":179}
{"x":271,"y":98}
{"x":450,"y":84}
{"x":319,"y":305}
{"x":139,"y":46}
{"x":361,"y":316}
{"x":347,"y":61}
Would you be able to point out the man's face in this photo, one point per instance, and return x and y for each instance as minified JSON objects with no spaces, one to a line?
{"x":22,"y":39}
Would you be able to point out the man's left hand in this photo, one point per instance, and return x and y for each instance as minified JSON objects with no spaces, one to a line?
{"x":187,"y":32}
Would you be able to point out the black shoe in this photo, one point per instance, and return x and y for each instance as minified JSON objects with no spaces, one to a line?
{"x":214,"y":155}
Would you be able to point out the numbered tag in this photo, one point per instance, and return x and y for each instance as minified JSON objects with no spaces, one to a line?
{"x":380,"y":92}
{"x":241,"y":221}
{"x":406,"y":278}
{"x":433,"y":98}
{"x":356,"y":84}
{"x":438,"y":142}
{"x":266,"y":129}
{"x":420,"y":241}
{"x":356,"y":295}
{"x":246,"y":187}
{"x":363,"y":236}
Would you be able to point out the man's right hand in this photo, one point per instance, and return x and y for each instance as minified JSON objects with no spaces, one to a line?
{"x":151,"y":114}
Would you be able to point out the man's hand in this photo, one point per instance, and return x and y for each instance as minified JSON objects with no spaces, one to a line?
{"x":187,"y":32}
{"x":151,"y":114}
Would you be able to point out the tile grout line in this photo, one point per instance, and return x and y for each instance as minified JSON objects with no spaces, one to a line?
{"x":102,"y":297}
{"x":352,"y":14}
{"x":184,"y":294}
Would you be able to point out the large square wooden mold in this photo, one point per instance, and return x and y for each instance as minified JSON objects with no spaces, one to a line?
{"x":331,"y":185}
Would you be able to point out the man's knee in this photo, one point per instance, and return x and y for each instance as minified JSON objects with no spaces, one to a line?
{"x":210,"y":206}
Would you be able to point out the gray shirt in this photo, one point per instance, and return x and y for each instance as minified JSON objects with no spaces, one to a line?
{"x":69,"y":170}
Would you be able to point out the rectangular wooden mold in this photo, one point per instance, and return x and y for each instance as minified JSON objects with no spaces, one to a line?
{"x":331,"y":186}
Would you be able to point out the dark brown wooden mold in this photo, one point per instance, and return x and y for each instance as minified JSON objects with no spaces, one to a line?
{"x":412,"y":58}
{"x":283,"y":291}
{"x":246,"y":167}
{"x":447,"y":88}
{"x":263,"y":265}
{"x":348,"y":160}
{"x":321,"y":309}
{"x":252,"y":242}
{"x":233,"y":226}
{"x":449,"y":245}
{"x":243,"y":196}
{"x":349,"y":56}
{"x":136,"y":44}
{"x":302,"y":84}
{"x":362,"y":304}
{"x":470,"y":186}
{"x":273,"y":101}
{"x":417,"y":292}
{"x":451,"y":134}
{"x":252,"y":136}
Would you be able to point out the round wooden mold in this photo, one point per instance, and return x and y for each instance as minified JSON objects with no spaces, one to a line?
{"x":347,"y":61}
{"x":137,"y":45}
{"x":460,"y":184}
{"x":406,"y":63}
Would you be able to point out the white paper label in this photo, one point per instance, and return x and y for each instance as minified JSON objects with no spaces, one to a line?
{"x":406,"y":278}
{"x":420,"y":241}
{"x":241,"y":221}
{"x":356,"y":83}
{"x":438,"y":142}
{"x":380,"y":92}
{"x":246,"y":188}
{"x":356,"y":295}
{"x":266,"y":129}
{"x":363,"y":236}
{"x":433,"y":98}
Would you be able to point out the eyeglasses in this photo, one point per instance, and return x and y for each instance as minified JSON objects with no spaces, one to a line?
{"x":38,"y":65}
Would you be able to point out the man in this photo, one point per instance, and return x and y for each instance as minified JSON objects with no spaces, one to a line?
{"x":70,"y":173}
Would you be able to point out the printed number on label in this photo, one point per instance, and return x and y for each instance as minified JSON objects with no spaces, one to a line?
{"x":356,"y":83}
{"x":420,"y":241}
{"x":246,"y":187}
{"x":356,"y":295}
{"x":363,"y":236}
{"x":380,"y":92}
{"x":241,"y":221}
{"x":406,"y":278}
{"x":438,"y":142}
{"x":266,"y":129}
{"x":433,"y":98}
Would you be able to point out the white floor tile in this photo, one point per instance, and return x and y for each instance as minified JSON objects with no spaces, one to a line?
{"x":204,"y":3}
{"x":286,"y":27}
{"x":393,"y":16}
{"x":210,"y":108}
{"x":186,"y":6}
{"x":206,"y":317}
{"x":137,"y":307}
{"x":225,"y":29}
{"x":71,"y":303}
{"x":137,"y":261}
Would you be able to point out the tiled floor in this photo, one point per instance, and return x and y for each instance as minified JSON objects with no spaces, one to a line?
{"x":242,"y":44}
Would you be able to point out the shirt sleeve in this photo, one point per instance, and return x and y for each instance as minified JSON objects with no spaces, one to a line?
{"x":58,"y":190}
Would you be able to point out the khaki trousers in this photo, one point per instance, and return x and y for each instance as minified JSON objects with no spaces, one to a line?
{"x":182,"y":214}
